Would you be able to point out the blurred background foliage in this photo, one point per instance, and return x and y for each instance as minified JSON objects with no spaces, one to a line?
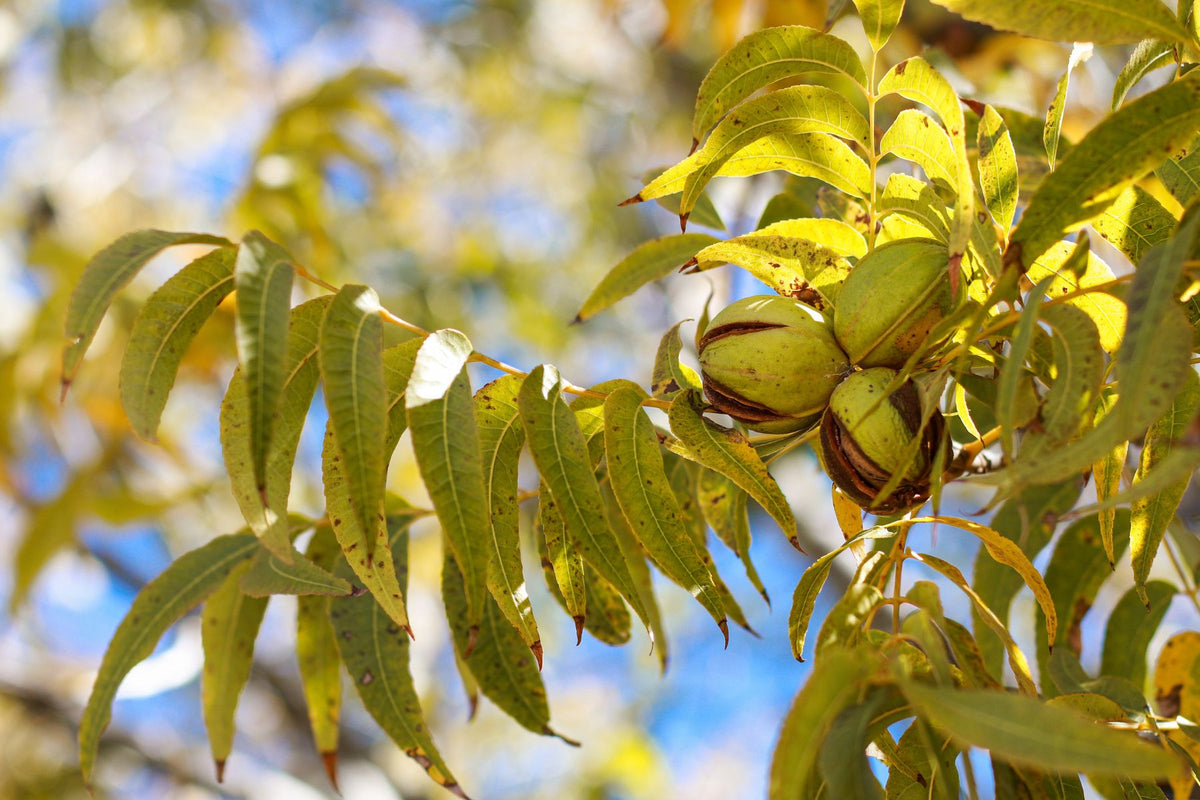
{"x":465,"y":159}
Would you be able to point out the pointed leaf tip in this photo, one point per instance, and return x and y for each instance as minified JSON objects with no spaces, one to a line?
{"x":408,"y":630}
{"x":329,"y":760}
{"x":683,"y":219}
{"x":548,"y":731}
{"x":219,"y":766}
{"x":578,"y":630}
{"x":795,"y":542}
{"x":724,"y":626}
{"x":637,"y":198}
{"x":536,"y":648}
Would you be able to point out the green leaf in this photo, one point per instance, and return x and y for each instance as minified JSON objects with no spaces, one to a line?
{"x":640,"y":572}
{"x":728,"y":452}
{"x":375,"y":651}
{"x":268,"y":575}
{"x":670,"y":375}
{"x":804,"y":599}
{"x":107,"y":273}
{"x":162,"y":332}
{"x":185,"y":584}
{"x":1149,"y":55}
{"x":767,"y":56}
{"x":270,"y":522}
{"x":1009,"y":553}
{"x":1114,"y":154}
{"x":352,"y":375}
{"x":1080,"y":53}
{"x":924,"y":763}
{"x":792,"y":267}
{"x":723,"y":504}
{"x":1079,"y":363}
{"x":879,"y":19}
{"x":1028,"y":519}
{"x":1181,"y":173}
{"x":842,"y":760}
{"x":832,"y":234}
{"x":1025,"y":731}
{"x":229,"y":625}
{"x":835,"y":684}
{"x":786,"y":112}
{"x":445,"y":437}
{"x":1135,"y":222}
{"x":1150,"y":516}
{"x":1013,"y":370}
{"x":704,"y":213}
{"x":1107,"y":473}
{"x":501,"y":438}
{"x":561,"y":562}
{"x":643,"y":492}
{"x":1130,"y":628}
{"x":650,"y":261}
{"x":1109,"y":313}
{"x":317,"y":656}
{"x":560,"y":453}
{"x":983,"y":613}
{"x":1099,"y":21}
{"x":917,"y":138}
{"x":915,"y":79}
{"x":1075,"y":573}
{"x":378,"y":573}
{"x":998,"y":169}
{"x":499,"y":660}
{"x":263,"y":279}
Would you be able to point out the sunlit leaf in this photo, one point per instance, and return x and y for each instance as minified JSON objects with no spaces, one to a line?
{"x":183,"y":585}
{"x":445,"y":436}
{"x":107,"y":273}
{"x":560,"y":452}
{"x":917,"y":138}
{"x":639,"y":571}
{"x":501,"y":438}
{"x":643,"y":492}
{"x":1025,"y":731}
{"x":1099,"y":21}
{"x":1181,"y":173}
{"x":398,"y":363}
{"x":1150,"y":516}
{"x":728,"y":452}
{"x":1107,"y":473}
{"x":924,"y":764}
{"x":795,"y":110}
{"x":317,"y":656}
{"x":263,"y":280}
{"x":1014,"y":367}
{"x":832,"y":234}
{"x":648,"y":262}
{"x":1080,"y":53}
{"x":375,"y":651}
{"x":162,"y":332}
{"x":670,"y":375}
{"x":764,"y":57}
{"x":997,"y":168}
{"x":798,"y":268}
{"x":229,"y":624}
{"x":1130,"y":628}
{"x":1135,"y":222}
{"x":879,"y":19}
{"x":1114,"y":154}
{"x":834,"y":684}
{"x":1149,"y":55}
{"x":301,"y":374}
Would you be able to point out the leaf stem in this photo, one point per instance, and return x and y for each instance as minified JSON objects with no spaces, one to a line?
{"x":476,"y":356}
{"x":872,"y":151}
